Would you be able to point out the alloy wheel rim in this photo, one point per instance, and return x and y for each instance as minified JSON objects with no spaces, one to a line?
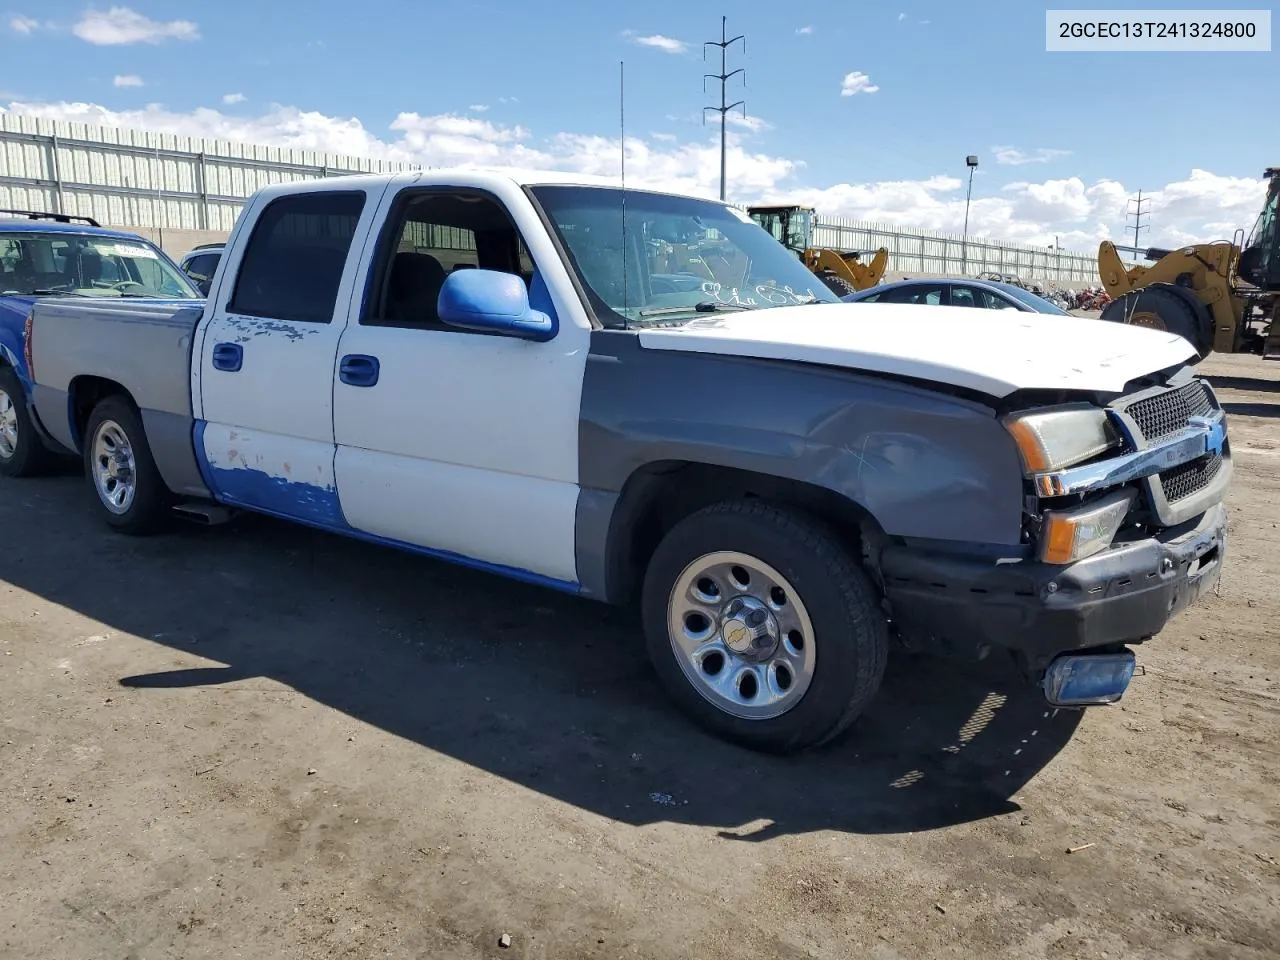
{"x":114,"y":467}
{"x":742,"y":635}
{"x":8,"y":427}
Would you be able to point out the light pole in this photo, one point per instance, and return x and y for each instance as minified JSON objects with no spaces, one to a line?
{"x":972,"y":163}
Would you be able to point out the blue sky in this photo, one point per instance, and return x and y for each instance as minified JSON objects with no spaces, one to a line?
{"x":1062,"y":138}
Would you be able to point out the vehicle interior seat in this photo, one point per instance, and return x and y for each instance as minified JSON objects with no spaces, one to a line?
{"x":413,"y":289}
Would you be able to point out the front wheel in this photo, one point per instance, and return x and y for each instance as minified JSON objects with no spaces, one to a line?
{"x":22,"y":453}
{"x":762,"y":627}
{"x":120,"y":468}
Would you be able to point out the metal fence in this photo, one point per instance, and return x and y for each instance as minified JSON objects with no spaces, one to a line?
{"x":136,"y":178}
{"x":927,"y":252}
{"x":145,"y":179}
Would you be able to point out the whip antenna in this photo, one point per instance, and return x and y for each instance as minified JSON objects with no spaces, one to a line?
{"x":622,"y":128}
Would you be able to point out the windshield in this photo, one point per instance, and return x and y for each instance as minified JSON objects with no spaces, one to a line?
{"x":682,"y":256}
{"x":69,"y":264}
{"x":1039,"y":304}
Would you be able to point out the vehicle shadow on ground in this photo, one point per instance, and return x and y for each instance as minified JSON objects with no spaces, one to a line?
{"x":1254,"y":384}
{"x":1253,"y":409}
{"x":546,"y":690}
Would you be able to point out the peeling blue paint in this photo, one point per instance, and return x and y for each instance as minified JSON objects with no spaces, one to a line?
{"x":257,"y":490}
{"x":320,"y":507}
{"x":250,"y":327}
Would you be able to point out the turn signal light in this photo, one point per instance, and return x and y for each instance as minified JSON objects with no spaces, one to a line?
{"x":1071,"y":535}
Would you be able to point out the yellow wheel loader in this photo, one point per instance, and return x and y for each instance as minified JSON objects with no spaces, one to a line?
{"x":842,"y":272}
{"x":1220,"y":296}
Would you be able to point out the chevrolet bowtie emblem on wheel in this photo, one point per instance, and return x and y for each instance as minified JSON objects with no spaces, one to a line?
{"x":735,"y":634}
{"x":1217,"y":435}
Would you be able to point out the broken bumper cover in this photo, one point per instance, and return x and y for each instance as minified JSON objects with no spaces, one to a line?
{"x":1123,"y":595}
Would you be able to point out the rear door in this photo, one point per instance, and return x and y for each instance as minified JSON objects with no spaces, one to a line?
{"x":264,"y":429}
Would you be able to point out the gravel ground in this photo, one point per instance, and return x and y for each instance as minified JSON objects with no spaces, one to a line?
{"x":259,"y":741}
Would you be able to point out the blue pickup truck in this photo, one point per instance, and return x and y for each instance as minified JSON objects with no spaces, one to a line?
{"x":59,"y":255}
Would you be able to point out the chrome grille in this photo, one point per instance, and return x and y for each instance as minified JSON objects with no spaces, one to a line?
{"x":1185,"y":479}
{"x":1166,"y":413}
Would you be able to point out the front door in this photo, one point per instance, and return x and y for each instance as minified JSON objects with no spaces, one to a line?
{"x":264,"y":430}
{"x":460,"y":443}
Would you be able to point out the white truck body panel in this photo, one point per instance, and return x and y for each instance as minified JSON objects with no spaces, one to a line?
{"x":961,"y":346}
{"x":467,"y":439}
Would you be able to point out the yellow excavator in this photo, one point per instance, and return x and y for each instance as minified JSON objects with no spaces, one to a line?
{"x":843,"y":272}
{"x":1220,"y":296}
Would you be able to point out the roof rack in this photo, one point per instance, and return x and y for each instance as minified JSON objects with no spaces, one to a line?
{"x":59,"y":217}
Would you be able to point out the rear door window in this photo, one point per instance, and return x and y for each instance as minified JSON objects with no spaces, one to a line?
{"x":292,"y":266}
{"x":930,"y":293}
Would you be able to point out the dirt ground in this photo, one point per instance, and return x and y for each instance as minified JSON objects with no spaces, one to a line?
{"x":260,"y":741}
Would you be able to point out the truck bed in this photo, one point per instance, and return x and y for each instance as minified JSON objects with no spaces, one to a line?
{"x":144,"y":346}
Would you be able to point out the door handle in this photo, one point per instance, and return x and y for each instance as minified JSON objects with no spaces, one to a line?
{"x":228,"y":357}
{"x":358,"y":370}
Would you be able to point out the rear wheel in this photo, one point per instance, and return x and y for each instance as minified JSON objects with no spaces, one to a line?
{"x":120,"y":468}
{"x":1163,"y":308}
{"x":762,"y":627}
{"x":22,"y":452}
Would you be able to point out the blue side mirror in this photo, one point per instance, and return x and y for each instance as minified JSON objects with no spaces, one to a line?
{"x":492,"y":302}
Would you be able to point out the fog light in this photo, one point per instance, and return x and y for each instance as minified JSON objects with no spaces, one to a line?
{"x":1070,"y":535}
{"x":1088,"y":679}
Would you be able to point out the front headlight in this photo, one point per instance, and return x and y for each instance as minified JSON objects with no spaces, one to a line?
{"x":1061,"y":437}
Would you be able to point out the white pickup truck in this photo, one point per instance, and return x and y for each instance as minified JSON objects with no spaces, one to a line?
{"x":641,"y":397}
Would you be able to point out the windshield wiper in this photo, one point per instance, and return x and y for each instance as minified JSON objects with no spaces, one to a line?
{"x":704,"y":306}
{"x":55,"y":293}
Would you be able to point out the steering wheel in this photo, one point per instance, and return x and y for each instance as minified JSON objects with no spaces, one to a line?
{"x":121,"y":285}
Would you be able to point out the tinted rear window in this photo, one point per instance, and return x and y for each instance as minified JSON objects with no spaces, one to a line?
{"x":293,"y":264}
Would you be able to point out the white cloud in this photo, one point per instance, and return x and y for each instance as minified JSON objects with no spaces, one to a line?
{"x":127,"y":80}
{"x":901,"y":17}
{"x":118,"y":26}
{"x":749,"y":123}
{"x":1203,"y":206}
{"x":805,"y":30}
{"x":231,"y":99}
{"x":24,"y":25}
{"x":1012,"y":156}
{"x":508,"y":99}
{"x":659,"y":42}
{"x":478,"y":107}
{"x":855,"y":83}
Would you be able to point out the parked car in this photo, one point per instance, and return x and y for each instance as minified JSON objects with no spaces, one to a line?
{"x":201,"y":263}
{"x":476,"y":367}
{"x":48,"y":255}
{"x":986,"y":294}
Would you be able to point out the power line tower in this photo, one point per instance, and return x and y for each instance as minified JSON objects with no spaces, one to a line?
{"x":723,"y":76}
{"x":1137,"y":213}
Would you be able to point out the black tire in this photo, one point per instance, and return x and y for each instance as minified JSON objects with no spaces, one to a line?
{"x":850,"y":631}
{"x":149,"y":506}
{"x":1165,"y":307}
{"x":24,"y":455}
{"x":837,"y":284}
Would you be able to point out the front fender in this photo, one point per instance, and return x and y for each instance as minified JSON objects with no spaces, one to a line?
{"x":923,"y":464}
{"x":11,"y":324}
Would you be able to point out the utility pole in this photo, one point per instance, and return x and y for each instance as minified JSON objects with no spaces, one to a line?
{"x":723,"y":76}
{"x":1138,"y":213}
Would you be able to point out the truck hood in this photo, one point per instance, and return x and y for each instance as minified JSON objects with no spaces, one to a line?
{"x":995,"y":352}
